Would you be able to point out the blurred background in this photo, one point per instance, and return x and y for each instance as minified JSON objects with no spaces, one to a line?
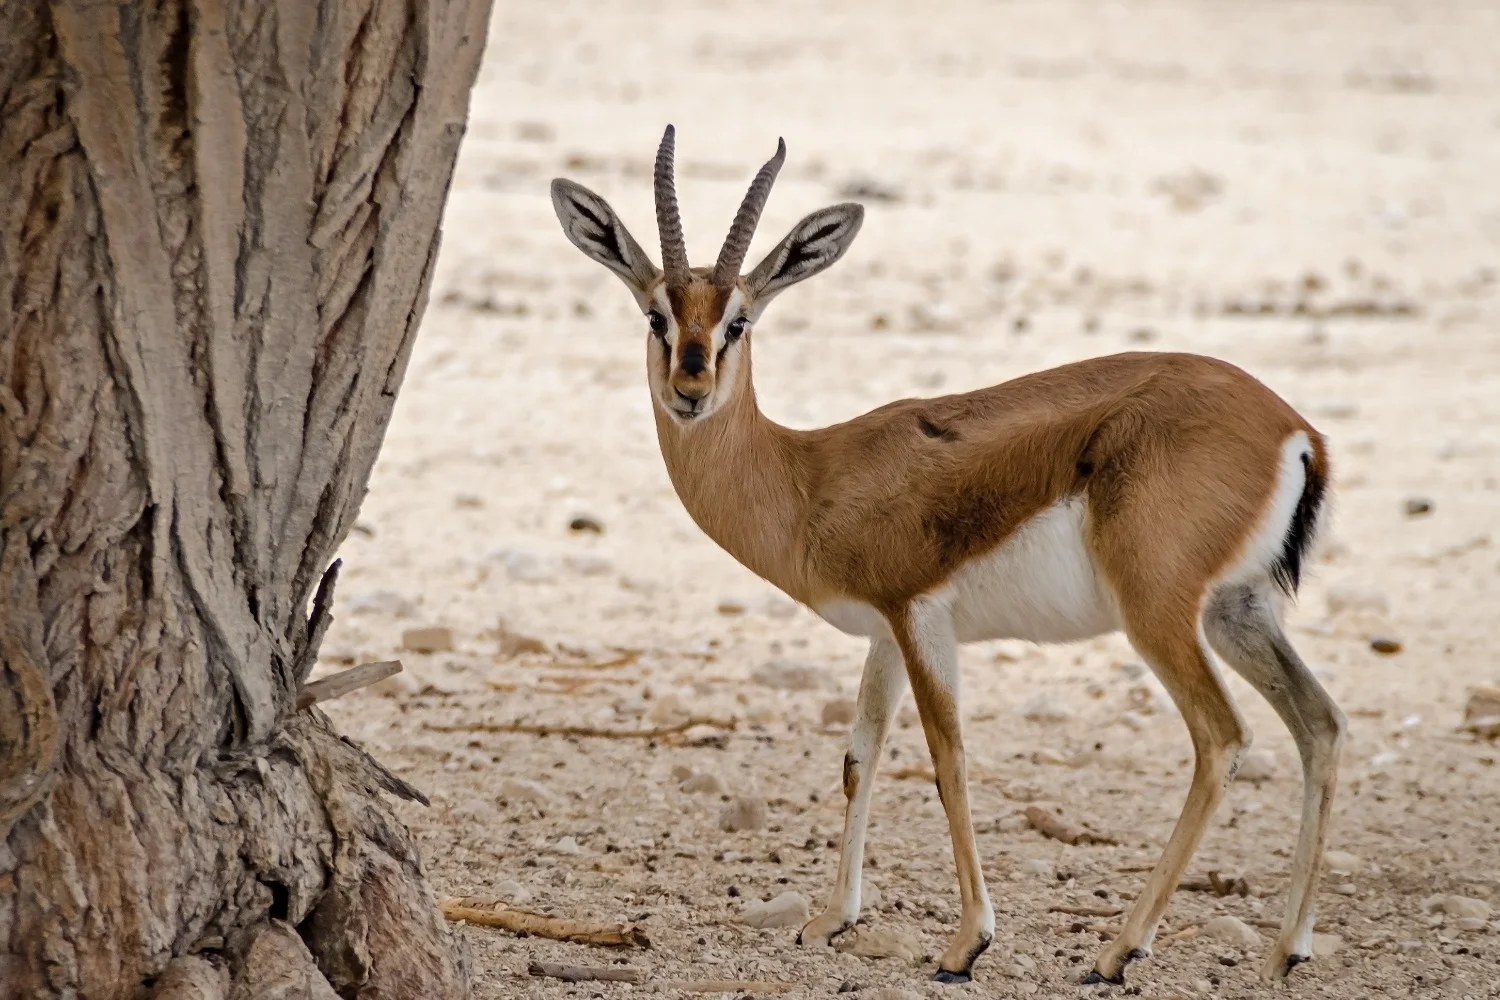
{"x":1307,"y":190}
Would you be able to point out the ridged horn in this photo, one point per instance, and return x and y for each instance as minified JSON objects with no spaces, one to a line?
{"x":737,"y":244}
{"x":674,"y":259}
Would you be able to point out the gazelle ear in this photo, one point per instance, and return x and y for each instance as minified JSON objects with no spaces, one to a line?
{"x":812,"y":246}
{"x":593,"y":227}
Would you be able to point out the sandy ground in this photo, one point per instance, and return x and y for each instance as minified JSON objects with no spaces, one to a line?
{"x":1307,"y":190}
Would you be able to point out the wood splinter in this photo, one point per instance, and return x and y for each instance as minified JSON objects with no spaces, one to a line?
{"x":589,"y":973}
{"x":339,"y":684}
{"x":495,"y":913}
{"x":1049,"y":824}
{"x":545,"y":729}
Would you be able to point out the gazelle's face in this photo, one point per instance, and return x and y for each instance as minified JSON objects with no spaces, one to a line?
{"x":698,"y":348}
{"x":695,"y":347}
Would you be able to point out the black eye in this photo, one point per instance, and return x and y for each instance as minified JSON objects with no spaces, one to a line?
{"x":658,"y":323}
{"x":736,"y":328}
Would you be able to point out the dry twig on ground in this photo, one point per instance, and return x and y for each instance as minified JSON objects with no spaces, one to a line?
{"x":494,"y":913}
{"x":589,"y":973}
{"x":1049,"y":824}
{"x":594,"y":732}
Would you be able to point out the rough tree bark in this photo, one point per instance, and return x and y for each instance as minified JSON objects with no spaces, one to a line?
{"x":218,"y":220}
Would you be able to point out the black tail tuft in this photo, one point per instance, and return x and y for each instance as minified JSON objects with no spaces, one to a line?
{"x":1287,"y":570}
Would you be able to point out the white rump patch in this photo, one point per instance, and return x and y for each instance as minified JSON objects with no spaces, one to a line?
{"x":1269,"y":540}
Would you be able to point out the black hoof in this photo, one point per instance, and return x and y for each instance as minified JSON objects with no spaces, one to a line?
{"x":1094,"y":977}
{"x":1137,"y":954}
{"x":944,"y":976}
{"x":1292,"y":961}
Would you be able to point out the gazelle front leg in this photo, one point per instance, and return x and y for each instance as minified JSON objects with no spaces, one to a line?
{"x":924,"y":631}
{"x":880,"y":690}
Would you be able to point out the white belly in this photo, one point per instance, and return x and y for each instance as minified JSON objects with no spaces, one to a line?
{"x":1040,"y":586}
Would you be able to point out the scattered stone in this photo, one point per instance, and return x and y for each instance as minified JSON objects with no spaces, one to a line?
{"x":1342,"y":862}
{"x":468,"y":501}
{"x":667,"y":709}
{"x":381,"y":602}
{"x":681,"y":772}
{"x":1045,"y":707}
{"x":524,"y":566}
{"x":517,"y":790}
{"x":583,"y":522}
{"x":869,"y":893}
{"x":787,"y":675}
{"x":790,"y":909}
{"x":1326,"y":945}
{"x":1232,"y":931}
{"x":744,"y":812}
{"x":428,"y":639}
{"x":1385,"y":645}
{"x":1417,"y":506}
{"x":1351,"y":597}
{"x":514,"y":644}
{"x":895,"y":993}
{"x":1482,"y":713}
{"x":731,"y":606}
{"x":1014,"y":823}
{"x":702,"y":784}
{"x":1472,"y":923}
{"x":1256,"y":765}
{"x":567,"y":845}
{"x":1033,"y":866}
{"x":873,"y":942}
{"x":838,"y":712}
{"x":935,"y":317}
{"x":1461,"y":906}
{"x":588,"y":564}
{"x":512,"y":891}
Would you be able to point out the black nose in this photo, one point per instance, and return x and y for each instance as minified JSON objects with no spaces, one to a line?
{"x":694,"y":360}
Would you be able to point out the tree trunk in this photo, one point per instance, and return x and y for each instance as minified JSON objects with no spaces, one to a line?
{"x":218,"y":220}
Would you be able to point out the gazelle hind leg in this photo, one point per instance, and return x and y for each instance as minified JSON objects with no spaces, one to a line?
{"x":880,"y":689}
{"x":1242,"y":626}
{"x":1169,"y":642}
{"x":925,"y":634}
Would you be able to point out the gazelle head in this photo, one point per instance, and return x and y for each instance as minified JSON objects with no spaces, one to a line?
{"x":699,"y":318}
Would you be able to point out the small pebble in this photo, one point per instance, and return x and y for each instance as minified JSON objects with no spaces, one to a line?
{"x":1417,"y":506}
{"x":1324,"y":945}
{"x":1385,"y":645}
{"x":744,"y":812}
{"x":1045,"y":707}
{"x":839,"y":712}
{"x":731,"y":606}
{"x":1464,"y":906}
{"x":583,"y":522}
{"x":517,"y":790}
{"x":1256,"y":765}
{"x":1342,"y":862}
{"x":567,"y":845}
{"x":1232,"y":931}
{"x":790,"y":909}
{"x":1033,"y":866}
{"x":702,"y":784}
{"x":681,"y":772}
{"x":512,"y":891}
{"x":787,"y":675}
{"x":428,"y":639}
{"x":874,"y":942}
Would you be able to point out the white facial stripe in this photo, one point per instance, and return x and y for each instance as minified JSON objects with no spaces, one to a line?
{"x":661,"y":304}
{"x":733,"y":310}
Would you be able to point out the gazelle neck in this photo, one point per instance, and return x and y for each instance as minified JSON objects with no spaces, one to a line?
{"x":737,"y":473}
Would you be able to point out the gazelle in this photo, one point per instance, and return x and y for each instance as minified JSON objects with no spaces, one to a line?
{"x":1170,"y":496}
